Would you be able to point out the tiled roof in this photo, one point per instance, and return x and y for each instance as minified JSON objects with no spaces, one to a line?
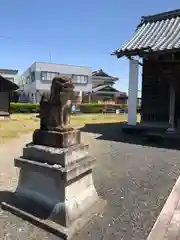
{"x":100,"y":87}
{"x":8,"y":71}
{"x":158,"y":32}
{"x":101,"y":73}
{"x":104,"y":86}
{"x":6,"y":85}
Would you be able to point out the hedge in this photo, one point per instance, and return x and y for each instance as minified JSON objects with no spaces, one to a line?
{"x":91,"y":108}
{"x":30,"y":108}
{"x":24,"y":108}
{"x":97,"y":108}
{"x":84,"y":107}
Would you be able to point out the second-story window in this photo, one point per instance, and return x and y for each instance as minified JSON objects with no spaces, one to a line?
{"x":80,"y":79}
{"x":28,"y":80}
{"x":32,"y":76}
{"x":48,"y":76}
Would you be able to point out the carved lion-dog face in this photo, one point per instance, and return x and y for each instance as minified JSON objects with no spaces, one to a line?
{"x":62,"y":84}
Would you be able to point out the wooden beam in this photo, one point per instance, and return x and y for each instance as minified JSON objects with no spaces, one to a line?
{"x":130,"y":58}
{"x":169,"y":61}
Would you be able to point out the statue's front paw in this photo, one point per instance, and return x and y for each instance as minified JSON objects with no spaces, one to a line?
{"x":67,"y":128}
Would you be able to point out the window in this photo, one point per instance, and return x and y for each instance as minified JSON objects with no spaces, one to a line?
{"x":80,"y":79}
{"x":48,"y":76}
{"x":32,"y":76}
{"x":27,"y":80}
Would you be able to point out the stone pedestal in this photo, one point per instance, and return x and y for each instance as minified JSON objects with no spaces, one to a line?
{"x":55,"y":183}
{"x":56,"y":139}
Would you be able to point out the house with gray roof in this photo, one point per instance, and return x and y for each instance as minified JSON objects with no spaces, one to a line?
{"x":6,"y":89}
{"x":103,"y":87}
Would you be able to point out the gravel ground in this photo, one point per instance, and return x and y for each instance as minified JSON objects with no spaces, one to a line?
{"x":134,"y":179}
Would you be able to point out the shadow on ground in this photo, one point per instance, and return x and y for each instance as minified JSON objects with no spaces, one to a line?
{"x":11,"y":203}
{"x":23,"y":204}
{"x":114,"y":132}
{"x":5,"y":196}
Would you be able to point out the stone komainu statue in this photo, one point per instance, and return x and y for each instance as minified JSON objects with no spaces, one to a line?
{"x":55,"y":108}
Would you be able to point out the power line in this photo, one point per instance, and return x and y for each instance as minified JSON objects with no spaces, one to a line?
{"x":28,"y":42}
{"x":21,"y":40}
{"x":40,"y":43}
{"x":11,"y":38}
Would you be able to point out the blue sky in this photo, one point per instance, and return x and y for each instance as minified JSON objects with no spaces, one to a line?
{"x":74,"y":31}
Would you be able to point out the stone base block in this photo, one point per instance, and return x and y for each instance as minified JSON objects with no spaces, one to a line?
{"x":67,"y":173}
{"x":4,"y":117}
{"x":51,"y":155}
{"x":63,"y":193}
{"x":56,"y":139}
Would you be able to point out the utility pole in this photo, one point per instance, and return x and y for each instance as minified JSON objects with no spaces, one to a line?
{"x":50,"y":56}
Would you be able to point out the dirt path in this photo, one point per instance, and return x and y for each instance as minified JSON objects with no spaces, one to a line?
{"x":8,"y":151}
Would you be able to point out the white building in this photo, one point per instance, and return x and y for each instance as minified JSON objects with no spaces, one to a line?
{"x":10,"y":74}
{"x":38,"y":77}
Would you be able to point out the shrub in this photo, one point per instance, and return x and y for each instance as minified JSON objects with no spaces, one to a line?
{"x":124,"y":106}
{"x":91,"y":108}
{"x":95,"y":108}
{"x":24,"y":108}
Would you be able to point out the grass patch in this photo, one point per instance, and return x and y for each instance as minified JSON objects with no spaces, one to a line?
{"x":82,"y":119}
{"x":24,"y":123}
{"x":19,"y":124}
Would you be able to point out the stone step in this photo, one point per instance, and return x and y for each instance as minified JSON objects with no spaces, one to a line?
{"x":51,"y":155}
{"x":67,"y":173}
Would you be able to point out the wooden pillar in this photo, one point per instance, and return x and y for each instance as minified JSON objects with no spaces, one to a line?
{"x":133,"y":91}
{"x":171,"y":108}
